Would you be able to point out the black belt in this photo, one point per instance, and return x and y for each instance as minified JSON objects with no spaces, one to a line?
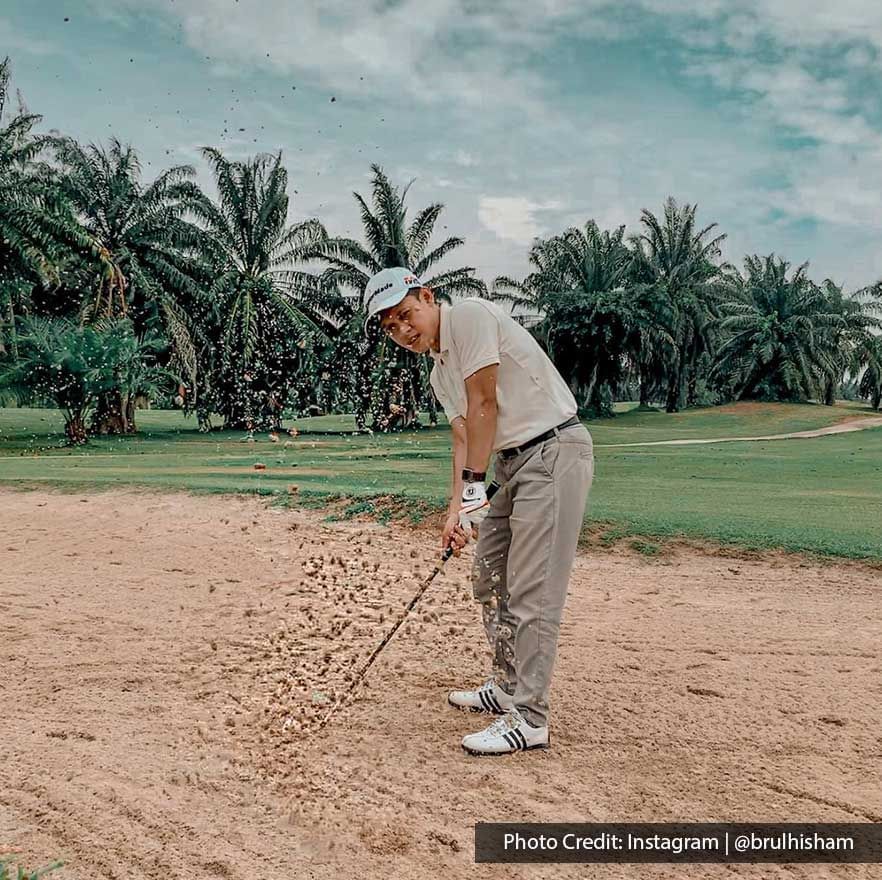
{"x":541,"y":438}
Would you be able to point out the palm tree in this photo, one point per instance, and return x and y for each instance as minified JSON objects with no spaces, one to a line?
{"x":849,"y":339}
{"x":64,"y":362}
{"x":35,"y":225}
{"x":778,"y":332}
{"x":145,"y":248}
{"x":522,"y":296}
{"x":868,"y":357}
{"x":580,"y":286}
{"x":592,"y":312}
{"x":387,"y":381}
{"x":265,"y":312}
{"x":74,"y":365}
{"x":650,"y":343}
{"x":581,"y":302}
{"x":678,"y":260}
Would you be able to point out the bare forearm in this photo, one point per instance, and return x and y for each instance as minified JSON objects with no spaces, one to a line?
{"x":459,"y":462}
{"x":480,"y":431}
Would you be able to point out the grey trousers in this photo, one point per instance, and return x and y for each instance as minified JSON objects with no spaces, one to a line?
{"x":523,"y":560}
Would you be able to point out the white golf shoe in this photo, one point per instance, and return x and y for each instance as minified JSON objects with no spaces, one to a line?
{"x":489,"y":697}
{"x":510,"y":733}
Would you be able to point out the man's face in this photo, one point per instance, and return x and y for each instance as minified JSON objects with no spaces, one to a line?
{"x":413,"y":323}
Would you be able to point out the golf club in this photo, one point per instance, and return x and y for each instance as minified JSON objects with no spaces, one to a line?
{"x":359,"y":678}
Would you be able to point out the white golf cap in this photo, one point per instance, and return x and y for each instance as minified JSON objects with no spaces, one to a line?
{"x":387,"y":289}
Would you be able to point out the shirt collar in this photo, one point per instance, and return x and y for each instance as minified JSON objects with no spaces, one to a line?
{"x":443,"y":333}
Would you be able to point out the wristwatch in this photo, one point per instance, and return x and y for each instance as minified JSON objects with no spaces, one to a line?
{"x":470,"y":476}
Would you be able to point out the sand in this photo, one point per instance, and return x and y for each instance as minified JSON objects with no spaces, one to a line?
{"x":165,"y":657}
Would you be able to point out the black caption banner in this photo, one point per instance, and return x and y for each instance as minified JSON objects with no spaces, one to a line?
{"x":718,"y":842}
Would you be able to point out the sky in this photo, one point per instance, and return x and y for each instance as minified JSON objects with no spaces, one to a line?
{"x":522,"y":118}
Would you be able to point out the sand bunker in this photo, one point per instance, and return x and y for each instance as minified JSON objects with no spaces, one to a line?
{"x":164,"y":656}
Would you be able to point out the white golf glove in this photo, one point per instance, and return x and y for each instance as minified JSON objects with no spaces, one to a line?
{"x":474,"y":506}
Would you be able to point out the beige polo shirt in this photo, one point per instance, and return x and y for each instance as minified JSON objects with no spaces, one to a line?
{"x":531,"y":396}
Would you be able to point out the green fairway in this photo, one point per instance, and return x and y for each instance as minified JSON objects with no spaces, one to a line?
{"x":821,"y":495}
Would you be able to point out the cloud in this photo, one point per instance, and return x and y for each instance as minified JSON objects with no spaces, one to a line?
{"x":800,"y":70}
{"x":790,"y":97}
{"x":817,"y":23}
{"x":513,"y":218}
{"x":758,"y":111}
{"x":837,"y":186}
{"x":11,"y":36}
{"x":792,"y":24}
{"x":438,"y":53}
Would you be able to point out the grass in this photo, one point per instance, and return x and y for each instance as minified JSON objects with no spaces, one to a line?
{"x":21,"y":874}
{"x":647,"y":548}
{"x":735,"y":420}
{"x":821,"y":495}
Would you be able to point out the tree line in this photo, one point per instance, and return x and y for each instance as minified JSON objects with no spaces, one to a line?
{"x":115,"y":290}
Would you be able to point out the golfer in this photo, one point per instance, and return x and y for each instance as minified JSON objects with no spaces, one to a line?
{"x":502,"y":395}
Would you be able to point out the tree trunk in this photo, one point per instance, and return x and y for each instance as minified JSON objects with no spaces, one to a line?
{"x":239,"y":419}
{"x":672,"y":399}
{"x":364,"y":387}
{"x":675,"y":378}
{"x":203,"y":418}
{"x":691,"y":393}
{"x":395,"y":407}
{"x":390,"y":410}
{"x":110,"y":416}
{"x":425,"y":390}
{"x":829,"y":393}
{"x":877,"y":398}
{"x":240,"y":408}
{"x":271,"y":411}
{"x":130,"y":415}
{"x":591,"y":383}
{"x":677,"y":387}
{"x":75,"y":430}
{"x":644,"y":391}
{"x":417,"y":390}
{"x":13,"y":337}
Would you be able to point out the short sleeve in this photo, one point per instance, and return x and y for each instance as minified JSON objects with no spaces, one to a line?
{"x":474,"y":331}
{"x":450,"y":408}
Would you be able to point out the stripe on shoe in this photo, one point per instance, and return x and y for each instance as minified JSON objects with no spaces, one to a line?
{"x":493,"y":701}
{"x":519,"y":736}
{"x":485,"y":702}
{"x":511,"y":740}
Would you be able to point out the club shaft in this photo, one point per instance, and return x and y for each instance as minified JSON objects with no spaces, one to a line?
{"x":448,"y":552}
